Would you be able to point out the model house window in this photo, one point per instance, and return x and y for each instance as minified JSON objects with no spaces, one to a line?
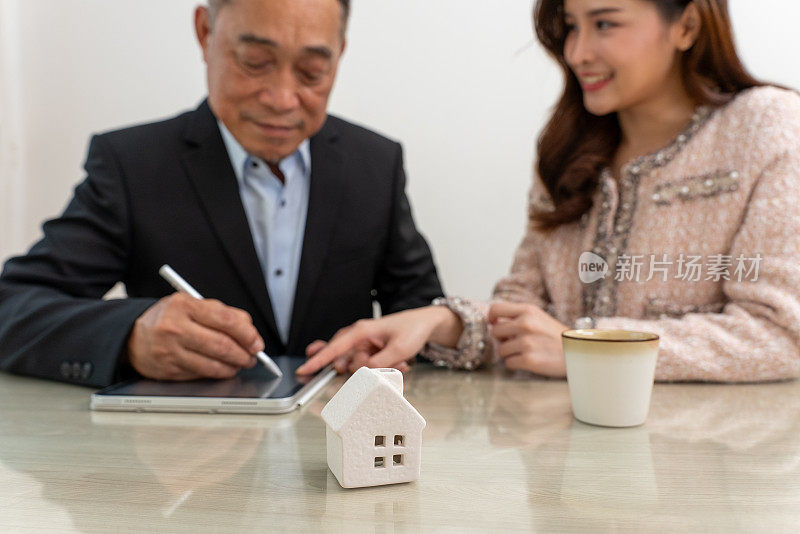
{"x":397,"y":459}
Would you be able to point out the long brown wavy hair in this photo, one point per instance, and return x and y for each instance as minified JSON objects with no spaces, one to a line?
{"x":576,"y":145}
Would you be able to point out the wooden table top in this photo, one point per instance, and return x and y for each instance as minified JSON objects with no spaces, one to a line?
{"x":501,"y":453}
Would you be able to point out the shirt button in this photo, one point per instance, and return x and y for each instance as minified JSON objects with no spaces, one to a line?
{"x":283,"y":203}
{"x":254,"y":164}
{"x":278,"y":272}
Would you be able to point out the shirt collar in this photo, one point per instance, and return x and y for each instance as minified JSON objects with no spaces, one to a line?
{"x":239,"y":155}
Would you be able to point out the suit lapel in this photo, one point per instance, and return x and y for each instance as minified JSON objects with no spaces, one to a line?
{"x":327,"y":186}
{"x":209,"y":168}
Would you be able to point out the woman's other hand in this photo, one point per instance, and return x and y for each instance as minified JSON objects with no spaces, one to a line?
{"x":527,"y":338}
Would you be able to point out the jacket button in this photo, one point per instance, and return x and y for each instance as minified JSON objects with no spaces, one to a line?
{"x":76,"y":370}
{"x":66,"y":369}
{"x":86,"y":372}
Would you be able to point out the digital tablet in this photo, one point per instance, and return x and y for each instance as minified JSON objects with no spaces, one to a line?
{"x":253,"y":390}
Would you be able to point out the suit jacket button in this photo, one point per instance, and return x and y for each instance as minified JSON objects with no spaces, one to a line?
{"x":76,"y":370}
{"x":66,"y":369}
{"x":86,"y":372}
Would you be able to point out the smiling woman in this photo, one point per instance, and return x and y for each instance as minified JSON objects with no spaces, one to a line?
{"x":669,"y":166}
{"x":668,"y":55}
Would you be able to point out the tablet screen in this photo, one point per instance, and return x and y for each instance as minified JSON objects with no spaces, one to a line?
{"x":257,"y":382}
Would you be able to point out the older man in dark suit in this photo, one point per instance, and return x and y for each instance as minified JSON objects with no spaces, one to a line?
{"x":294,"y":219}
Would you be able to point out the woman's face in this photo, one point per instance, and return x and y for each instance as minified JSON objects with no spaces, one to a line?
{"x":623,"y":53}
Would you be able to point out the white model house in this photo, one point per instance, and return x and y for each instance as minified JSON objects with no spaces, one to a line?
{"x":374,"y":434}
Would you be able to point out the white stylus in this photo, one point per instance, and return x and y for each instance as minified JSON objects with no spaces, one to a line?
{"x":176,"y":281}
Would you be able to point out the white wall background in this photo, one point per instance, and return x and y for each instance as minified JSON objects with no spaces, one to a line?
{"x":461,"y":83}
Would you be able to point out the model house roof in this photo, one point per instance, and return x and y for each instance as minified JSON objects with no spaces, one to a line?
{"x":358,"y":388}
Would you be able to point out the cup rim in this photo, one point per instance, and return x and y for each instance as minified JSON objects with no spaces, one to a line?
{"x":580,"y":334}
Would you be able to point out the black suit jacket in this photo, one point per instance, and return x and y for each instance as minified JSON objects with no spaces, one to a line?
{"x":166,"y":193}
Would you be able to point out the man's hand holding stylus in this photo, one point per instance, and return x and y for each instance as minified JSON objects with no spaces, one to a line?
{"x":183,"y":338}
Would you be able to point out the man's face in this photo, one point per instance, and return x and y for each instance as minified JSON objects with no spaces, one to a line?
{"x":270,"y":67}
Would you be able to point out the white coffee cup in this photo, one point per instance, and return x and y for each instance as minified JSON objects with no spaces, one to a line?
{"x":610,"y":375}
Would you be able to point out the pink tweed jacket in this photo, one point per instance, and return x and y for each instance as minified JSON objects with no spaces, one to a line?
{"x":702,"y":246}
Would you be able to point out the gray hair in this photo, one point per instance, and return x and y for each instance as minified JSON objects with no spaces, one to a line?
{"x":215,"y":5}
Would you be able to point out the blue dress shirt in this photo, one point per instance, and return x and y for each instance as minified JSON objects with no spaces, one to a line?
{"x":276,"y":213}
